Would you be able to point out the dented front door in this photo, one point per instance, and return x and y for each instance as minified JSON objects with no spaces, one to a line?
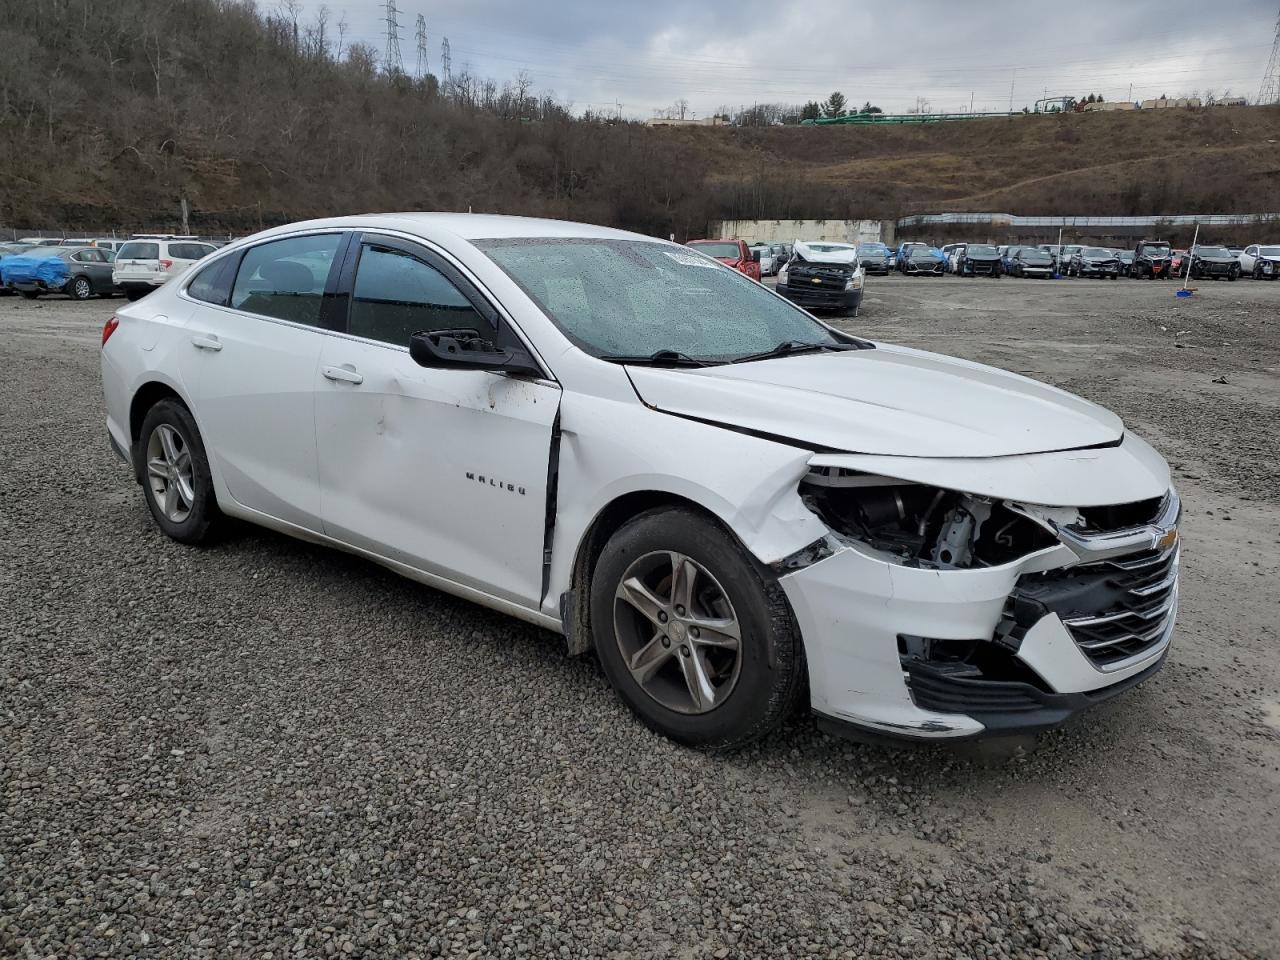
{"x":444,"y":470}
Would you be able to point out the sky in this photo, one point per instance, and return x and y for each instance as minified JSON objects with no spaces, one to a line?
{"x":636,"y":58}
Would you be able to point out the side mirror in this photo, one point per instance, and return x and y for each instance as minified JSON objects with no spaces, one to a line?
{"x":755,"y":256}
{"x":467,"y":350}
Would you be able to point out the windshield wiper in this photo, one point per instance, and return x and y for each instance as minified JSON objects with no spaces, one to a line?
{"x":788,"y":347}
{"x":673,"y":358}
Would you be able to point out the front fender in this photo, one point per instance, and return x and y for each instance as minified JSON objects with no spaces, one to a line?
{"x":612,"y":448}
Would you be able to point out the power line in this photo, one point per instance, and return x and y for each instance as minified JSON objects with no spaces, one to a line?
{"x":446,"y":62}
{"x":421,"y":37}
{"x":392,"y":58}
{"x":1269,"y":92}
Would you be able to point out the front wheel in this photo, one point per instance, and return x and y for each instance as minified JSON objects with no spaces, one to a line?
{"x":176,"y":479}
{"x":694,"y":635}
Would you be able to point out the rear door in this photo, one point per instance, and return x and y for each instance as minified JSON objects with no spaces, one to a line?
{"x":96,"y":266}
{"x":250,"y":367}
{"x":443,"y":470}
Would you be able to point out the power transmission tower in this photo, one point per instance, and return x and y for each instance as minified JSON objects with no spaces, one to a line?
{"x":1269,"y":92}
{"x":392,"y":59}
{"x":421,"y":36}
{"x":446,"y":61}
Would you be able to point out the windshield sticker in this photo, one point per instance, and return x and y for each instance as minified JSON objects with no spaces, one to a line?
{"x":691,"y":260}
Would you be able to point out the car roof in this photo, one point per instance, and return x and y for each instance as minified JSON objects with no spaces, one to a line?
{"x":469,"y":226}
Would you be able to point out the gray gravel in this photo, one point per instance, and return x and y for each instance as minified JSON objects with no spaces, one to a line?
{"x":267,"y":749}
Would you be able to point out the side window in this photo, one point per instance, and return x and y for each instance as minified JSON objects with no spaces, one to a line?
{"x":213,"y":283}
{"x":82,"y":256}
{"x":286,"y":278}
{"x":398,"y":295}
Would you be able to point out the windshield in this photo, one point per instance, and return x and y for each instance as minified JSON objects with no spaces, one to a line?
{"x":1098,"y":253}
{"x":727,"y":250}
{"x":1156,"y":250}
{"x":1269,"y":251}
{"x":636,"y":297}
{"x":1034,"y":256}
{"x":1213,"y":251}
{"x":980,"y":250}
{"x":877,"y":249}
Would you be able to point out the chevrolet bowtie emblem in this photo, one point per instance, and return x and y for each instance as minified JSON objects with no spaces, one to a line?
{"x":816,"y":280}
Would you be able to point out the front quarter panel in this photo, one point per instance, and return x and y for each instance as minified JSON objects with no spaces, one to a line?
{"x":611,"y":447}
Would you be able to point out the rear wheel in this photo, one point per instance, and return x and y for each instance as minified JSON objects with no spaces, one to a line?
{"x":693,"y":634}
{"x":133,"y":293}
{"x":176,"y":479}
{"x":30,"y":294}
{"x":80,"y":289}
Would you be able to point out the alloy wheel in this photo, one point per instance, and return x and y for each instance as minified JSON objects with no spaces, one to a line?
{"x":83,"y":289}
{"x":678,"y":633}
{"x":170,"y":473}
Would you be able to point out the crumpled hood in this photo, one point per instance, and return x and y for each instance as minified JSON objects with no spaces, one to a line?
{"x":891,"y":401}
{"x":843,"y":255}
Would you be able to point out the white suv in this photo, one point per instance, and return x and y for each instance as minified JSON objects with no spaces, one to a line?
{"x":146,"y":262}
{"x":625,"y":442}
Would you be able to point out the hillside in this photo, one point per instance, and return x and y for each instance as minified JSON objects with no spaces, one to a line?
{"x":111,"y":115}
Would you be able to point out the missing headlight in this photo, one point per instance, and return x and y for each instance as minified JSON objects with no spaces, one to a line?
{"x":920,"y":525}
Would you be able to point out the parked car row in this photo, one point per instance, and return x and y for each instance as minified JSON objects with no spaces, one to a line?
{"x":135,"y":268}
{"x":1150,"y":260}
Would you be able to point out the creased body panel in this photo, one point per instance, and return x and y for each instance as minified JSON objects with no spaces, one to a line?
{"x":890,"y":401}
{"x":1126,"y":473}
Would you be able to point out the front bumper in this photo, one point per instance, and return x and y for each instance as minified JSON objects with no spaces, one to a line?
{"x":822,"y":298}
{"x":1106,"y":270}
{"x":857,"y":613}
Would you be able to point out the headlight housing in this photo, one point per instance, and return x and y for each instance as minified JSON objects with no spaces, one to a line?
{"x":855,"y":281}
{"x":782,"y":274}
{"x":917,"y":525}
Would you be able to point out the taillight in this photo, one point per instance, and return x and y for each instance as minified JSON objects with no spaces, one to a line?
{"x":166,"y":264}
{"x":109,"y":328}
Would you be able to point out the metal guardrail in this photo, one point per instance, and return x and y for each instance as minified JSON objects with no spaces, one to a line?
{"x":1008,"y":219}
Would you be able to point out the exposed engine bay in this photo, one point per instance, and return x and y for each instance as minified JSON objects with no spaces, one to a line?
{"x":922,"y":525}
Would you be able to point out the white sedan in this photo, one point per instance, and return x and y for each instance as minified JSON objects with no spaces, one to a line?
{"x":623,"y":441}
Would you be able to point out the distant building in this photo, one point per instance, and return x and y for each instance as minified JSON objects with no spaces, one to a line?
{"x":1168,"y":103}
{"x":677,"y":122}
{"x":1229,"y":102}
{"x":1113,"y":105}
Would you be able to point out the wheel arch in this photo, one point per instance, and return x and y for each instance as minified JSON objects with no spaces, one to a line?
{"x":144,"y":398}
{"x":575,"y":603}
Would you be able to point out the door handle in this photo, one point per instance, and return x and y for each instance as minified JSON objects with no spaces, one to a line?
{"x":203,"y":342}
{"x":345,"y":374}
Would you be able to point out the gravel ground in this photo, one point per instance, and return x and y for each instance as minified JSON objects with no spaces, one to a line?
{"x":268,"y":749}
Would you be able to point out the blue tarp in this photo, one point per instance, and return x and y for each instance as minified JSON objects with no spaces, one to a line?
{"x":27,"y":268}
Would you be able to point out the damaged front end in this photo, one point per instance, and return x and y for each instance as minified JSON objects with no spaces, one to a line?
{"x":959,"y":615}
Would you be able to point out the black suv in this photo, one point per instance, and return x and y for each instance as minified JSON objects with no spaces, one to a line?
{"x":1215,"y":263}
{"x":979,"y":259}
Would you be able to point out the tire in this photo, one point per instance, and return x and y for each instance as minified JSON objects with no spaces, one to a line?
{"x":749,"y":695}
{"x":133,"y":293}
{"x":1233,"y":275}
{"x":80,"y":288}
{"x":187,"y":521}
{"x":29,"y":294}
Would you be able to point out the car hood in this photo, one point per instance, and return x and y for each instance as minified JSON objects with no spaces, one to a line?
{"x":841,"y":256}
{"x":891,"y":401}
{"x":1215,"y":259}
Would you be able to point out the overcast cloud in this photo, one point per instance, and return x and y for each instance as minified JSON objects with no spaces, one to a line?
{"x":647,"y":55}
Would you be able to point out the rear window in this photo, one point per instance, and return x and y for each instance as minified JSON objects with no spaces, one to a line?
{"x":213,"y":283}
{"x":286,"y":278}
{"x":140,"y":251}
{"x":729,"y":251}
{"x":189,"y":251}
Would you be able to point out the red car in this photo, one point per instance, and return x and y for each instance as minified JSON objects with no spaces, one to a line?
{"x":1175,"y":266}
{"x":732,"y":253}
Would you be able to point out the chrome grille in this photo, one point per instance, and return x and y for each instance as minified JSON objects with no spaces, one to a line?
{"x":1144,"y":591}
